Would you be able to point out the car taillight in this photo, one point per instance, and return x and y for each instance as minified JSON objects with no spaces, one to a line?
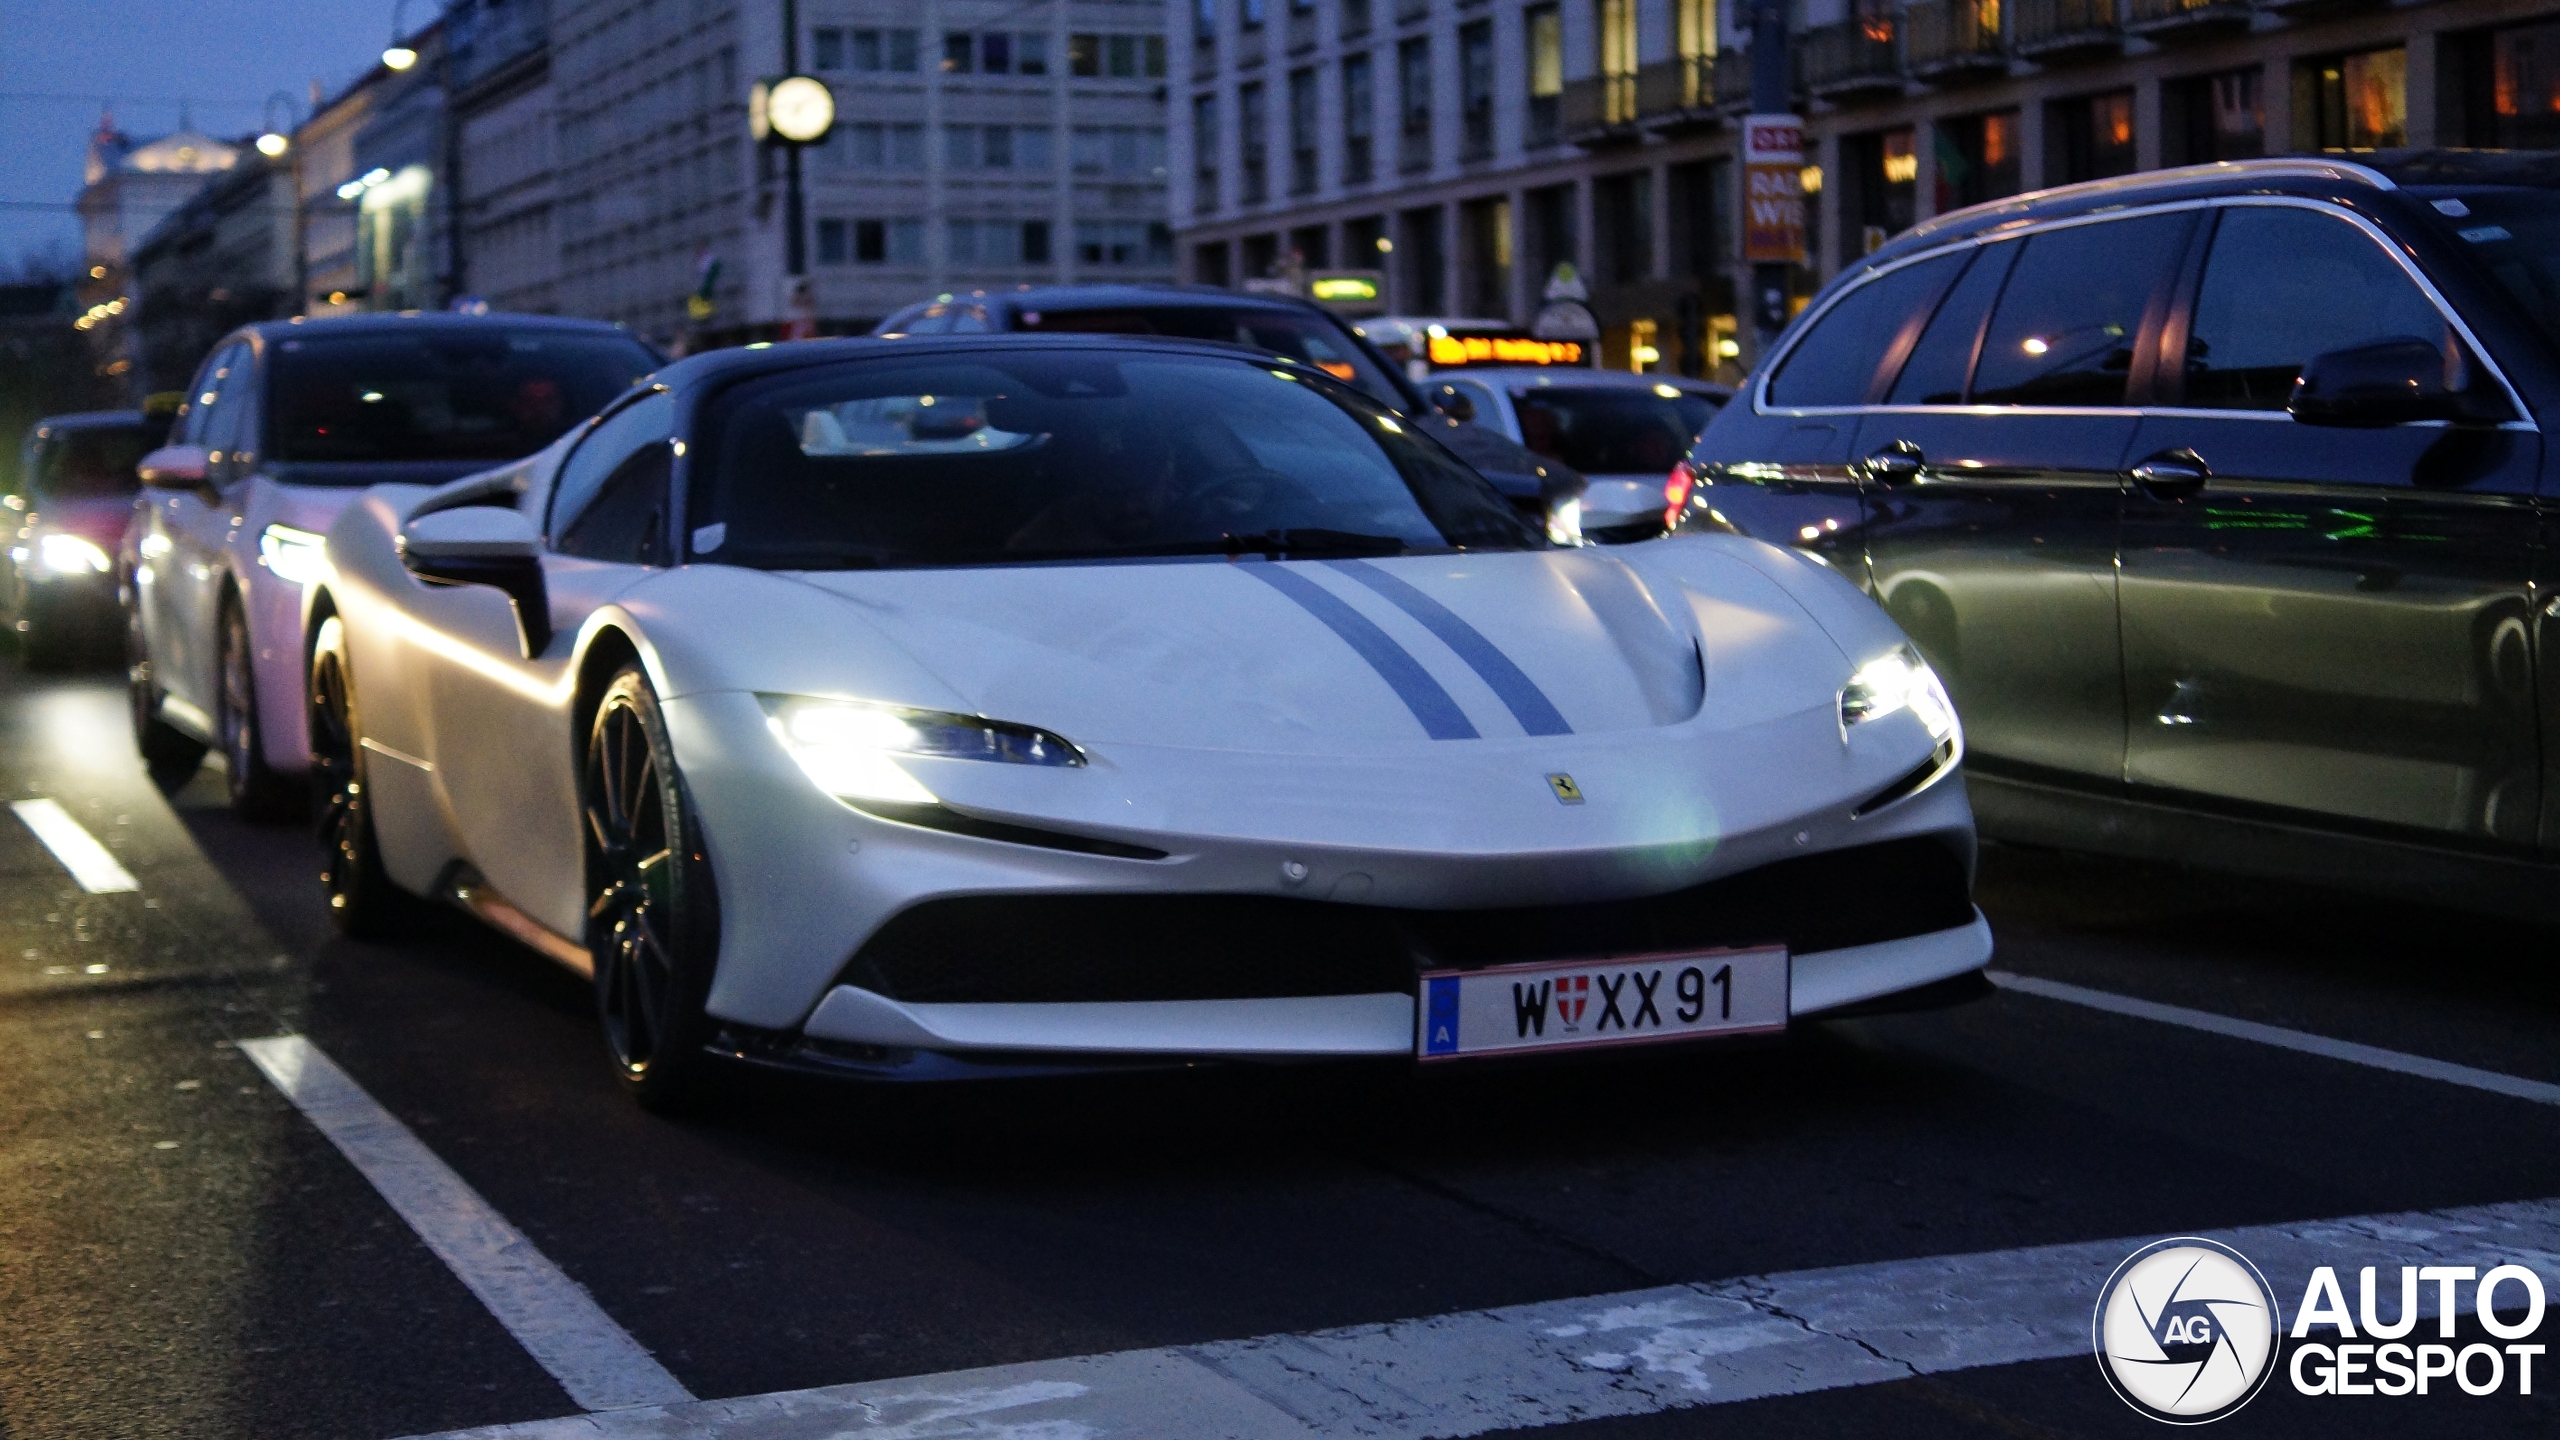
{"x":1675,"y":494}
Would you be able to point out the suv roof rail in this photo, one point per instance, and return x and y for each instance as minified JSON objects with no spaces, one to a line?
{"x":2293,"y":167}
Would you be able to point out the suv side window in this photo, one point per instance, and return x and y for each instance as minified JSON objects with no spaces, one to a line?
{"x":205,"y":398}
{"x":2283,"y":284}
{"x":624,"y":433}
{"x":1837,"y":360}
{"x":2066,"y":324}
{"x":231,"y":433}
{"x":1943,"y":359}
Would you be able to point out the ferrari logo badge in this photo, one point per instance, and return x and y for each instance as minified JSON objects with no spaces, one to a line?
{"x":1567,"y":793}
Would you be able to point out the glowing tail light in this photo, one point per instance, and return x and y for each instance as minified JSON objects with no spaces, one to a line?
{"x":1675,"y":494}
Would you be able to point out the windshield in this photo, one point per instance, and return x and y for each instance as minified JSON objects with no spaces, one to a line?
{"x":1619,"y":430}
{"x":440,"y":394}
{"x":92,"y":462}
{"x":1316,"y":339}
{"x":1050,"y":455}
{"x":2515,"y":235}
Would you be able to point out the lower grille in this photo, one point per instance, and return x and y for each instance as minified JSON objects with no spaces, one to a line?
{"x":1063,"y":948}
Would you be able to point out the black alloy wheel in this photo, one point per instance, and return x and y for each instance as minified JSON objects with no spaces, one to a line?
{"x":652,"y":914}
{"x":170,"y":755}
{"x":257,"y":791}
{"x":363,"y":902}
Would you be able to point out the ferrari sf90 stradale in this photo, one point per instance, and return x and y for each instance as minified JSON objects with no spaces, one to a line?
{"x":929,"y":706}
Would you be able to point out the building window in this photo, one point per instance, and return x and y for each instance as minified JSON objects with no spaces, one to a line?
{"x":1364,"y":242}
{"x":1204,"y":152}
{"x":827,"y":48}
{"x":1204,"y":22}
{"x":1879,"y":189}
{"x":1035,"y":242}
{"x":2358,"y":102}
{"x":1549,"y":231}
{"x":1253,"y":137}
{"x":1617,"y":26}
{"x":1545,"y":25}
{"x":1353,"y":16}
{"x":1622,"y":227}
{"x":957,"y":53}
{"x":906,"y":51}
{"x":1475,"y":89}
{"x":1359,"y":109}
{"x":2213,"y":117}
{"x":1302,"y":132}
{"x":906,"y":147}
{"x":1486,"y":228}
{"x":1697,"y":40}
{"x":870,"y":242}
{"x":1261,"y":256}
{"x":1704,"y":252}
{"x":1124,"y":242}
{"x":1209,"y":264}
{"x":832,"y":242}
{"x":906,"y":242}
{"x":866,"y":51}
{"x":1084,"y":56}
{"x":1254,"y":13}
{"x":1413,"y":104}
{"x":2088,"y":138}
{"x":1424,"y":284}
{"x":1311,"y":246}
{"x":1031,"y":53}
{"x":995,"y":53}
{"x":1977,"y":158}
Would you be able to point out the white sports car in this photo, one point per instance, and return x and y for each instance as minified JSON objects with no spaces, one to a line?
{"x":927,"y":706}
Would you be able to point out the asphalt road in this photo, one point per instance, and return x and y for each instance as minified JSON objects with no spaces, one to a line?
{"x":183,"y":1253}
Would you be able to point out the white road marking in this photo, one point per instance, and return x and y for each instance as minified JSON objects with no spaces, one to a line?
{"x":2538,"y":1091}
{"x":1571,"y":1360}
{"x":77,"y":849}
{"x":552,"y":1316}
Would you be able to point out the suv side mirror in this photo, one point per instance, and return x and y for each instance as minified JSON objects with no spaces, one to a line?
{"x":2392,"y":382}
{"x":1451,"y":401}
{"x":175,"y":467}
{"x":484,"y":545}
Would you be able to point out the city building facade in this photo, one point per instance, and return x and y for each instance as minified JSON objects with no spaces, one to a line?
{"x":1470,"y":146}
{"x":499,"y":69}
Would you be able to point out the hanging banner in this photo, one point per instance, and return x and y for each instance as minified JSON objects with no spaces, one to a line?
{"x":1773,"y":190}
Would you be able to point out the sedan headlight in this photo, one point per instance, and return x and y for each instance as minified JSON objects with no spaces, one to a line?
{"x":70,"y":555}
{"x":849,"y":748}
{"x":1900,"y":680}
{"x":295,"y":556}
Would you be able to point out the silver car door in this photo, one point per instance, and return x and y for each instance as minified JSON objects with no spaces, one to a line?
{"x":191,"y":527}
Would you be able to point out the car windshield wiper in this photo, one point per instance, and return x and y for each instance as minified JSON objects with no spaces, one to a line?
{"x":1315,"y":542}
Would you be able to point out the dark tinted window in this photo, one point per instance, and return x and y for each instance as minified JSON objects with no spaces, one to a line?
{"x":441,"y":393}
{"x":1611,"y":430}
{"x":90,"y":463}
{"x":1005,"y":456}
{"x":2515,"y":235}
{"x":627,"y":521}
{"x":2065,"y":328}
{"x":1939,"y":363}
{"x":649,"y":420}
{"x":1315,"y":338}
{"x":1836,"y":362}
{"x":2282,"y":285}
{"x":195,"y":419}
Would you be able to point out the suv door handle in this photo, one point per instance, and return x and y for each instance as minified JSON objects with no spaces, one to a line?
{"x":1897,"y":464}
{"x":2172,"y":474}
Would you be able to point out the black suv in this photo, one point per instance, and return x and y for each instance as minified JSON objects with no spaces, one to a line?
{"x":2219,"y":498}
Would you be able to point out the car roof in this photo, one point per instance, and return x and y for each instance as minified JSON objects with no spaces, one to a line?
{"x":721,"y":366}
{"x":93,"y":420}
{"x":1189,"y":297}
{"x":410,"y":322}
{"x":2357,"y":180}
{"x":1586,"y":375}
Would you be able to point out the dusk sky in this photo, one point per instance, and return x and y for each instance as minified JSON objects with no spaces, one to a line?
{"x":61,"y":59}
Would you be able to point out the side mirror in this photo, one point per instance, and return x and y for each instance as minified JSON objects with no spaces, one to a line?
{"x":175,"y":467}
{"x":2393,"y":382}
{"x":484,"y":545}
{"x":1451,"y":401}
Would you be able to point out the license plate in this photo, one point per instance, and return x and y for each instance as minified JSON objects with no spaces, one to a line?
{"x":1581,"y":1004}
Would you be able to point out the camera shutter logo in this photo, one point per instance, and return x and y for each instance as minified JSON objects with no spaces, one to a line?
{"x":2186,"y":1330}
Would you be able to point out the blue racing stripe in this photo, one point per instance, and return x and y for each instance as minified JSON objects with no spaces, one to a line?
{"x":1440,"y":716}
{"x":1529,"y":704}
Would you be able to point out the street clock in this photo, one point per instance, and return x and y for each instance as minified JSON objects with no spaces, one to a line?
{"x":796,"y":110}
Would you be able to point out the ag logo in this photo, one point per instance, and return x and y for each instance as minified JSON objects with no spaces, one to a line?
{"x":2186,"y":1331}
{"x":1567,"y":792}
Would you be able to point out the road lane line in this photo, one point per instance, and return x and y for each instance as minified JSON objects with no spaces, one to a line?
{"x":1558,"y":1362}
{"x":552,"y":1316}
{"x":77,"y":849}
{"x":2396,"y":1061}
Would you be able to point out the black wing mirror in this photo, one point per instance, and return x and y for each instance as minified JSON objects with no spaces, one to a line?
{"x":2392,"y":382}
{"x":484,"y":545}
{"x":1451,"y":401}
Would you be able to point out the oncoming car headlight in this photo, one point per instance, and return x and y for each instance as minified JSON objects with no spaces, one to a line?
{"x":294,"y":555}
{"x":849,"y":747}
{"x":1899,"y":680}
{"x":70,"y":555}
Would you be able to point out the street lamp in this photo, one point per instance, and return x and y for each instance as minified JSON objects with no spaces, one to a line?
{"x":274,"y":139}
{"x":397,"y":54}
{"x":792,"y":112}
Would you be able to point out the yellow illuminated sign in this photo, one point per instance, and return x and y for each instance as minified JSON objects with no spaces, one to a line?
{"x":1503,"y":350}
{"x":1343,"y":287}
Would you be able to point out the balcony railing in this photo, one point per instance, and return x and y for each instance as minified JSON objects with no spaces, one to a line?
{"x":2064,"y":29}
{"x":2172,"y":19}
{"x":1856,"y":57}
{"x":1600,"y":109}
{"x":1949,"y":40}
{"x":1732,"y":79}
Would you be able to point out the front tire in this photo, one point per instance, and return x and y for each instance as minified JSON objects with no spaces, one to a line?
{"x":257,"y":791}
{"x":653,"y":926}
{"x":363,"y":902}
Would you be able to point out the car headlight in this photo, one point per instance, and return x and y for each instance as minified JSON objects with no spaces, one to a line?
{"x":1564,"y":521}
{"x":70,"y":555}
{"x":849,"y":748}
{"x":1900,"y":680}
{"x":295,"y":556}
